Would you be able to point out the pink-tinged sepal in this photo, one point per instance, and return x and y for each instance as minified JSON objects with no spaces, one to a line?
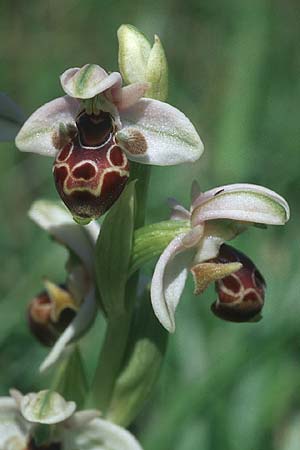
{"x":241,"y":202}
{"x":91,"y":171}
{"x":241,"y":294}
{"x":48,"y":126}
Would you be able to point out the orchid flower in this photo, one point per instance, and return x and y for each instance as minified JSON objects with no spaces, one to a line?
{"x":94,"y":129}
{"x":80,"y":295}
{"x":22,"y":416}
{"x":215,"y":216}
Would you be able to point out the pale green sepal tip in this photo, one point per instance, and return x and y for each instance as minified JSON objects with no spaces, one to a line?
{"x":139,"y":62}
{"x":157,"y":72}
{"x":134,"y":51}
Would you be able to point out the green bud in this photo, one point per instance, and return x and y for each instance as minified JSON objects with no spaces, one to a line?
{"x":157,"y":72}
{"x":139,"y":63}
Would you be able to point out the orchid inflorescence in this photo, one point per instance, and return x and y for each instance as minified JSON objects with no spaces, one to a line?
{"x":98,"y":134}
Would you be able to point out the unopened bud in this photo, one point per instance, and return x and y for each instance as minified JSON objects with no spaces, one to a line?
{"x":139,"y":62}
{"x":50,"y":312}
{"x":241,"y":294}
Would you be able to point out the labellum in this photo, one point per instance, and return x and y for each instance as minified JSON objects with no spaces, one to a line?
{"x":90,"y":170}
{"x":49,"y":314}
{"x":241,"y":294}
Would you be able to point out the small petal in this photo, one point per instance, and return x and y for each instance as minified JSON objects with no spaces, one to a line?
{"x":169,"y":279}
{"x":208,"y":248}
{"x":46,"y":407}
{"x":195,"y":191}
{"x":82,"y":418}
{"x":157,"y":133}
{"x":100,"y":435}
{"x":206,"y":273}
{"x":56,"y":219}
{"x":130,"y":95}
{"x":88,"y":81}
{"x":82,"y":321}
{"x":241,"y":202}
{"x":178,"y":212}
{"x":39,"y":133}
{"x":216,"y":232}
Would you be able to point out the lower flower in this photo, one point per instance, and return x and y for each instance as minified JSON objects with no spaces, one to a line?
{"x":241,"y":294}
{"x":216,"y":216}
{"x":45,"y":421}
{"x":62,"y":314}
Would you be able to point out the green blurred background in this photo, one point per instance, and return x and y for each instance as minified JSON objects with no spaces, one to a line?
{"x":234,"y":70}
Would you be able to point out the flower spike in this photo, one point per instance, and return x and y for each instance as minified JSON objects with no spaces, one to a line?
{"x":21,"y":415}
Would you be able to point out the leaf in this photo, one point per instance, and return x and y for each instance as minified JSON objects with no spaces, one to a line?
{"x":71,"y":381}
{"x":11,"y":118}
{"x":151,"y":240}
{"x":113,"y":252}
{"x":145,"y":353}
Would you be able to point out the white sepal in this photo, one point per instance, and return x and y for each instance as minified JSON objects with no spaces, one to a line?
{"x":39,"y":133}
{"x":99,"y":434}
{"x":170,"y":276}
{"x":13,"y":428}
{"x":157,"y":133}
{"x":241,"y":202}
{"x":57,"y":221}
{"x":82,"y":321}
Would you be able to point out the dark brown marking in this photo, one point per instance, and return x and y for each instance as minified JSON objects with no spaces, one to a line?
{"x":65,"y":134}
{"x":117,"y":156}
{"x":136,"y":143}
{"x":110,"y":180}
{"x":60,"y":174}
{"x":86,"y":171}
{"x":218,"y":192}
{"x":232,"y":284}
{"x":64,"y":153}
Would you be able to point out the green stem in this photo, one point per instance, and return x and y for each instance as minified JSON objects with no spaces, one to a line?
{"x":112,"y":353}
{"x":110,"y":360}
{"x":141,"y":173}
